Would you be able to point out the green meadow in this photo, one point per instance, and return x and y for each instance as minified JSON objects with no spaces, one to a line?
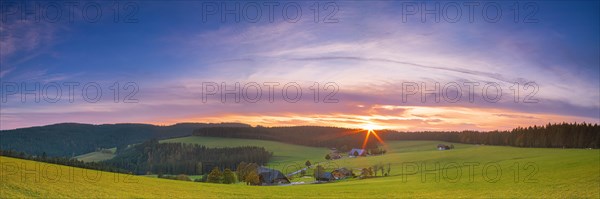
{"x":96,"y":156}
{"x":417,"y":169}
{"x":285,"y":156}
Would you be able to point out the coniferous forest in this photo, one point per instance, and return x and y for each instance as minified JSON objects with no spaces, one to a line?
{"x":152,"y":157}
{"x":72,"y":139}
{"x":67,"y":140}
{"x":563,"y":135}
{"x":317,"y":136}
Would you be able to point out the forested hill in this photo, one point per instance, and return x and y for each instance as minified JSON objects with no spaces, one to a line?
{"x":179,"y":158}
{"x":318,"y":136}
{"x":67,"y":139}
{"x":562,"y":135}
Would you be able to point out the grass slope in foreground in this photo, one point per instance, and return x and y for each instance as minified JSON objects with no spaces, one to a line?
{"x":560,"y":173}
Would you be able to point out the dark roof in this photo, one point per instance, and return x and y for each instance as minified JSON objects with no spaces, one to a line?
{"x":271,"y":176}
{"x":265,"y":169}
{"x":359,"y":151}
{"x":344,"y":171}
{"x":325,"y":176}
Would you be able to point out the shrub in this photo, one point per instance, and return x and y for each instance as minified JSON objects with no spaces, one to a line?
{"x":215,"y":176}
{"x":228,"y":176}
{"x":252,"y":178}
{"x":183,"y":177}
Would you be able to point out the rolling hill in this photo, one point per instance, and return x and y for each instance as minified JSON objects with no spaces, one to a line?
{"x":71,"y":139}
{"x":467,"y":170}
{"x":284,"y":154}
{"x":97,"y":156}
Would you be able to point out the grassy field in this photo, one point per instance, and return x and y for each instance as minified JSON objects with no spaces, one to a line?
{"x":285,"y":156}
{"x":96,"y":156}
{"x":467,"y":171}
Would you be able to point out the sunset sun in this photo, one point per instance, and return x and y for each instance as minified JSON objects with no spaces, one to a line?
{"x":370,"y":127}
{"x":299,"y":98}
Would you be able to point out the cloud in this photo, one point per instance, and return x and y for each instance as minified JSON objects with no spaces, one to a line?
{"x":368,"y":54}
{"x":496,"y":76}
{"x":515,"y":116}
{"x":23,"y":40}
{"x":379,"y":48}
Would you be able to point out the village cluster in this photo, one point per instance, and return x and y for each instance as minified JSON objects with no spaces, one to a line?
{"x":327,"y":172}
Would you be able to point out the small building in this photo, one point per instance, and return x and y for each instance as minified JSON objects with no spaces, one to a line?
{"x":442,"y":147}
{"x":342,"y":173}
{"x":359,"y":152}
{"x":335,"y":155}
{"x":324,"y":176}
{"x":271,"y":176}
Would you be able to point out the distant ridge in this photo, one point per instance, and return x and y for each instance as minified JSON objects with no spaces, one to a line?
{"x":69,"y":139}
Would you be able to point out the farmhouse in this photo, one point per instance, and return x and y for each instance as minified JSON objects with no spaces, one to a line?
{"x":443,"y":147}
{"x":342,"y":173}
{"x":271,"y":176}
{"x":357,"y":152}
{"x":324,"y":176}
{"x":335,"y":155}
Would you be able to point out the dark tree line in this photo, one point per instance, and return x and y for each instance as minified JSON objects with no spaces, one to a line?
{"x":568,"y":135}
{"x":180,"y":158}
{"x":70,"y":139}
{"x":563,"y":135}
{"x":341,"y":138}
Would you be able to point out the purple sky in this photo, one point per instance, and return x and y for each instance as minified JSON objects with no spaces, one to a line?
{"x":364,"y":60}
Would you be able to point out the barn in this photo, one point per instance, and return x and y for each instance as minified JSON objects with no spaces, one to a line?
{"x":324,"y":176}
{"x":342,"y":173}
{"x":269,"y":176}
{"x":354,"y":152}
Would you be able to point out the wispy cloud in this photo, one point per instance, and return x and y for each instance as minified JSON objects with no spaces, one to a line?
{"x":23,"y":40}
{"x":369,"y":54}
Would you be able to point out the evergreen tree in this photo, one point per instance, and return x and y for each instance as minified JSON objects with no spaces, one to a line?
{"x":241,"y":171}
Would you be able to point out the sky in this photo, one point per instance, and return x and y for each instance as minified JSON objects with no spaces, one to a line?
{"x":499,"y":65}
